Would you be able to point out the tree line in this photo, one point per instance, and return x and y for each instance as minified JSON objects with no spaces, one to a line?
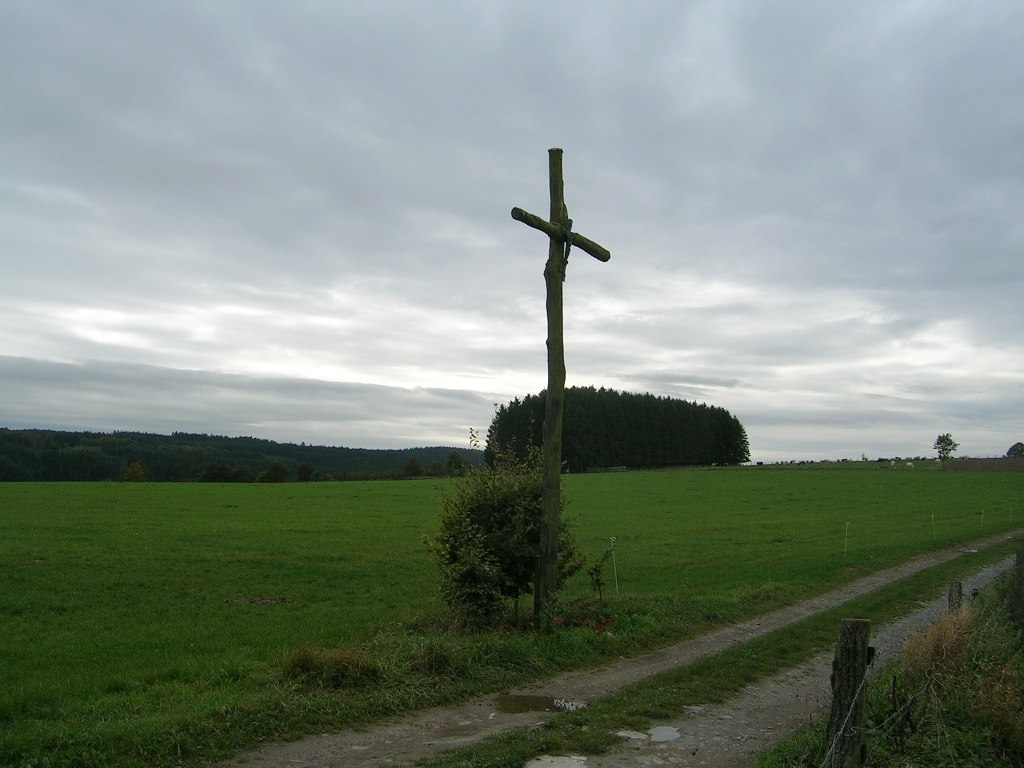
{"x":604,"y":428}
{"x":49,"y":455}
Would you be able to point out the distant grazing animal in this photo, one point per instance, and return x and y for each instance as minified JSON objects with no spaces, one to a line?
{"x":892,"y":462}
{"x":910,"y":465}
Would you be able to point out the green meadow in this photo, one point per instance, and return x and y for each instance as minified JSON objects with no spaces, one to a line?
{"x":152,"y":624}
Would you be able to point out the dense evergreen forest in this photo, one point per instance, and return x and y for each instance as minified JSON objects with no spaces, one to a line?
{"x":44,"y":455}
{"x":605,"y":428}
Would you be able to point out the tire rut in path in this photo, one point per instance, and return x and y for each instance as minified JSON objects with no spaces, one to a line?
{"x":717,"y":736}
{"x":766,"y":713}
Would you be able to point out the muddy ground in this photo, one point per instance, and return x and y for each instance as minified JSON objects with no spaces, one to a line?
{"x":730,"y":734}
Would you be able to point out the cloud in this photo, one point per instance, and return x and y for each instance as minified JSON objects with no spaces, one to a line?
{"x":813,"y":213}
{"x":103,"y":396}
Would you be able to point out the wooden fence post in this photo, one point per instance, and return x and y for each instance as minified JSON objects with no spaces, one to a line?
{"x":846,"y":719}
{"x":954,"y":597}
{"x":1017,"y":593}
{"x":1020,"y":567}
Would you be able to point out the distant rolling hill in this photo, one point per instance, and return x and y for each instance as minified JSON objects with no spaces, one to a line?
{"x":49,"y":455}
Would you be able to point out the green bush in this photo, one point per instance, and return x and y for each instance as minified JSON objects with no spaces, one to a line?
{"x":487,"y":545}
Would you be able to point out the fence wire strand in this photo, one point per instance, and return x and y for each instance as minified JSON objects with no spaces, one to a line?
{"x":887,"y":726}
{"x":842,"y":728}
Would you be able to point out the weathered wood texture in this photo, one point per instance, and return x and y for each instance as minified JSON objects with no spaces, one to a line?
{"x":1019,"y":566}
{"x":585,"y":244}
{"x":560,"y":236}
{"x":1017,"y":591}
{"x":954,"y":597}
{"x":546,"y":582}
{"x":846,"y":718}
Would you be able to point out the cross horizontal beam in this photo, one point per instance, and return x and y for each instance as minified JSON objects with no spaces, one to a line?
{"x":553,"y":230}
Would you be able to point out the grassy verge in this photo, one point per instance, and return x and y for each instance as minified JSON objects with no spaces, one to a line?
{"x":708,"y":681}
{"x":955,"y":697}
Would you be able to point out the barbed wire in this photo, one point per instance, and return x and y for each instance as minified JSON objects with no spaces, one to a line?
{"x":842,"y":728}
{"x":883,"y":730}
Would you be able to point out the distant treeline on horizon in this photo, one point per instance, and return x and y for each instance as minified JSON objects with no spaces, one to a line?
{"x":40,"y":455}
{"x":605,"y":428}
{"x":602,"y":429}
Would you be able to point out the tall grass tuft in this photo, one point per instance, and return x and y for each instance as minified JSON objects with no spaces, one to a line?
{"x":954,"y":698}
{"x":312,"y":666}
{"x":963,"y":690}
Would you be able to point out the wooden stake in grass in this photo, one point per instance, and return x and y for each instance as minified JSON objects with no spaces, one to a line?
{"x":615,"y":568}
{"x":954,"y":596}
{"x":560,"y":239}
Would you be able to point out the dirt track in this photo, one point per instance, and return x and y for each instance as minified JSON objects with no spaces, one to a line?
{"x":726,"y":735}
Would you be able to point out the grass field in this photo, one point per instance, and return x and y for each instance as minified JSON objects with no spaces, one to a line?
{"x":147,"y":624}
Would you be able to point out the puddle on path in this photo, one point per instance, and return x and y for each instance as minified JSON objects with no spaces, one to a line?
{"x":514,"y":704}
{"x":664,"y":733}
{"x":546,"y":761}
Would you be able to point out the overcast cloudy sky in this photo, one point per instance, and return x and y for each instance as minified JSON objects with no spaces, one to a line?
{"x":291,"y":219}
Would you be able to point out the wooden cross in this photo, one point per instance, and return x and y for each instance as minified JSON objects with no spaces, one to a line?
{"x":560,"y":238}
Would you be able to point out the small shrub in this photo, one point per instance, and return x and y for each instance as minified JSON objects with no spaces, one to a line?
{"x":487,"y":545}
{"x":596,"y":573}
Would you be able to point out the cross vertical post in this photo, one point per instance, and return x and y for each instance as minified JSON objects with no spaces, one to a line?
{"x":558,"y":228}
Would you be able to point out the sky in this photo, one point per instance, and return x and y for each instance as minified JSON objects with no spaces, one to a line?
{"x":291,"y":220}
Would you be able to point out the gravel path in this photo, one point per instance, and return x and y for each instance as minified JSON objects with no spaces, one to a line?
{"x":727,"y":735}
{"x":772,"y":709}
